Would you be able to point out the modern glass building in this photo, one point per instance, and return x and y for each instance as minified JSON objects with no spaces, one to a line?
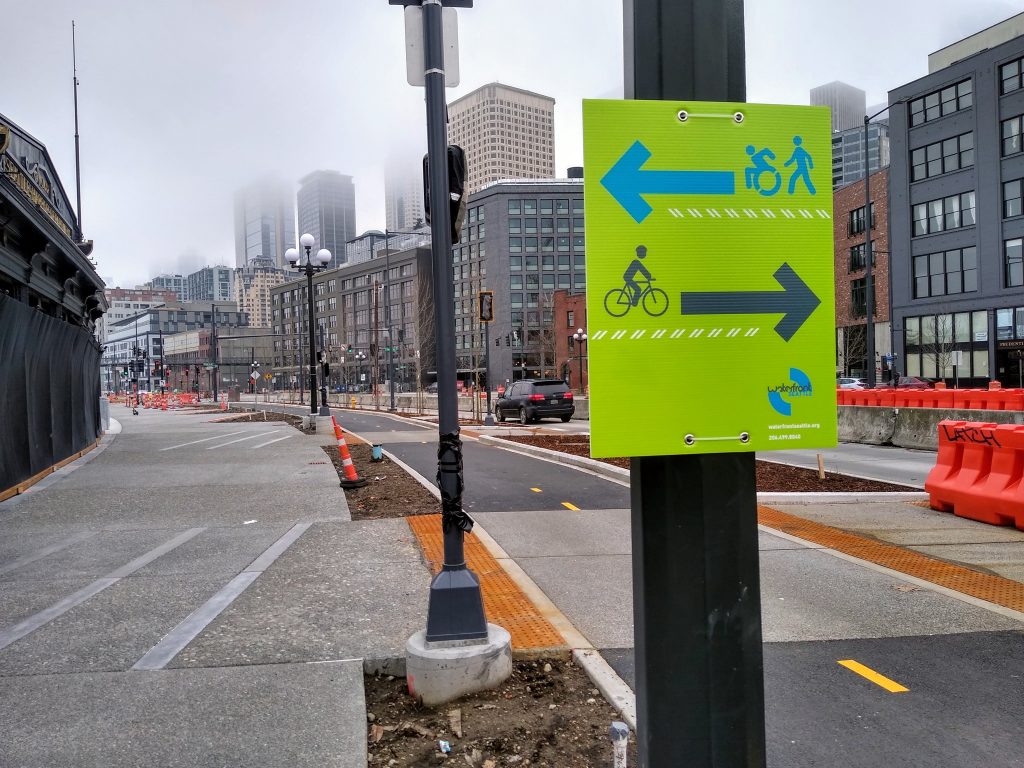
{"x":327,"y":211}
{"x":264,"y":222}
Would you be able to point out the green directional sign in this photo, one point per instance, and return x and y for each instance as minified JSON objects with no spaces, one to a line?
{"x":710,"y":283}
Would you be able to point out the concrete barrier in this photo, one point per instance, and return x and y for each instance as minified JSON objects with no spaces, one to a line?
{"x":909,"y":427}
{"x":866,"y":424}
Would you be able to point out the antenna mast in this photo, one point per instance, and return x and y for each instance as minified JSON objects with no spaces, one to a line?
{"x":78,"y":160}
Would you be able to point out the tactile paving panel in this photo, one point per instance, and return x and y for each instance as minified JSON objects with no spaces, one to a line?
{"x":504,"y":603}
{"x":984,"y":586}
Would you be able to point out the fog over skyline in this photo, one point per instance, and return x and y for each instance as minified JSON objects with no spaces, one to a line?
{"x":183,"y":103}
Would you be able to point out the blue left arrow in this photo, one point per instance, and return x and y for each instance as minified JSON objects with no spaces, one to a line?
{"x":627,"y":182}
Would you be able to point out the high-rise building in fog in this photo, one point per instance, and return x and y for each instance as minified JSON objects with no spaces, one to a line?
{"x":506,"y":133}
{"x":176,"y":283}
{"x":264,"y":221}
{"x":212,"y":284}
{"x":252,"y":289}
{"x":403,"y":195}
{"x":846,"y":102}
{"x":327,"y":211}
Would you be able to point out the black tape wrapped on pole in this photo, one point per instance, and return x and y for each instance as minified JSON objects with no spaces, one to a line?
{"x":455,"y":609}
{"x":450,"y":482}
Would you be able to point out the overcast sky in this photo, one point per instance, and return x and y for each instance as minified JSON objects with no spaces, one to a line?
{"x":182,"y":102}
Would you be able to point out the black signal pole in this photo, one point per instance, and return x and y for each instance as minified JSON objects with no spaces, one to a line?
{"x":696,"y":586}
{"x":455,"y":609}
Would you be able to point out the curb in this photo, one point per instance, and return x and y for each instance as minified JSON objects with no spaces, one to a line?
{"x":579,"y":462}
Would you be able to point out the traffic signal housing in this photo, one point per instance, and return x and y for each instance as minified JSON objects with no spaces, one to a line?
{"x":457,"y":175}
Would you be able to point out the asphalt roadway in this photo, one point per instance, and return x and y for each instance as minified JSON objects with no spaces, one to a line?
{"x":961,"y":665}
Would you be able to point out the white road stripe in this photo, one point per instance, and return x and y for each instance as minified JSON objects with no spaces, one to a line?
{"x":204,"y":440}
{"x":34,"y":622}
{"x":241,"y":439}
{"x":175,"y":641}
{"x":275,"y":440}
{"x":39,"y":554}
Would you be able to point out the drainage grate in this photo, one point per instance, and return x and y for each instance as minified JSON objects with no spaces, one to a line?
{"x":504,"y":602}
{"x":318,"y":462}
{"x":984,"y":586}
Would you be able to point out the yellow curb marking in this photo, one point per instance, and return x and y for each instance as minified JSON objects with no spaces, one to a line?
{"x":504,"y":603}
{"x":573,"y":507}
{"x":536,"y":490}
{"x":881,"y":680}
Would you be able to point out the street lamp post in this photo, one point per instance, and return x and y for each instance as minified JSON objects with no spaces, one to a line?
{"x":360,"y":357}
{"x":310,"y":265}
{"x":580,"y":337}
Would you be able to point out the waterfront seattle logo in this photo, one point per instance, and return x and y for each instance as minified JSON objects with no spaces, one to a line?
{"x":780,"y":394}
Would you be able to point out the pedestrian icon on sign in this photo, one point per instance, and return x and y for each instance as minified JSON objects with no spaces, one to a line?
{"x":801,"y":158}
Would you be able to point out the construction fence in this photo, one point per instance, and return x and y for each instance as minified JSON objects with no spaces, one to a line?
{"x":49,"y":391}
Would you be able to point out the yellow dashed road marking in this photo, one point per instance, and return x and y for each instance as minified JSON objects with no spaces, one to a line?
{"x":573,"y":507}
{"x":869,"y":674}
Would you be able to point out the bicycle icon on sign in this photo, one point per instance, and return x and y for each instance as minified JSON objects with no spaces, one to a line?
{"x":653,"y":301}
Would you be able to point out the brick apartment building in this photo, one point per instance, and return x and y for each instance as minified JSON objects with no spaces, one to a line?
{"x":570,"y":314}
{"x":851,"y":273}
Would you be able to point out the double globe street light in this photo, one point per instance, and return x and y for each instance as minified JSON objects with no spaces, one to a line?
{"x":311,"y":264}
{"x":580,"y":337}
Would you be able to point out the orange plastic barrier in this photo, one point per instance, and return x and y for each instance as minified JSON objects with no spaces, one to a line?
{"x":977,"y":472}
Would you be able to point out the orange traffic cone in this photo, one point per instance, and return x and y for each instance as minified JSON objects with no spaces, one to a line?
{"x":223,"y":405}
{"x":352,"y":479}
{"x":164,"y":404}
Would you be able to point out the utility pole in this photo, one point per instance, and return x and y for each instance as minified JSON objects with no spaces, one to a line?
{"x":455,"y":609}
{"x":213,"y":350}
{"x":696,"y":584}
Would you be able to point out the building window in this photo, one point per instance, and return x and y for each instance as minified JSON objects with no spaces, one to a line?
{"x":858,"y":257}
{"x":951,"y":212}
{"x":1011,"y":135}
{"x":856,"y":223}
{"x":515,"y":207}
{"x":858,"y":298}
{"x":569,"y":321}
{"x":1010,"y":76}
{"x":942,"y":157}
{"x":940,"y":103}
{"x":1014,"y":265}
{"x":946,"y":272}
{"x":515,"y":245}
{"x":1012,"y":198}
{"x":515,"y":226}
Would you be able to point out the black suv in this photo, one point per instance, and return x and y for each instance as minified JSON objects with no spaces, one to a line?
{"x":532,"y":399}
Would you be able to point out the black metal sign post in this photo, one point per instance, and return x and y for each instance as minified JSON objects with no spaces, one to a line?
{"x":455,"y":611}
{"x":696,"y":586}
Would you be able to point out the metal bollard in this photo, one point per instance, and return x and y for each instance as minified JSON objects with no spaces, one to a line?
{"x":619,"y":734}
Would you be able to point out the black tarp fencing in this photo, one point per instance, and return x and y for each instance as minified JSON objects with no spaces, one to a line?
{"x":49,"y":391}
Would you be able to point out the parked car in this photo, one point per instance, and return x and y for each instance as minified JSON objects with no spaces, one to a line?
{"x":850,"y":382}
{"x":533,"y":399}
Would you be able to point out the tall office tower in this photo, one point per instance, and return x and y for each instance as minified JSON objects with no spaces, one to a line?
{"x":176,"y":283}
{"x":403,"y":194}
{"x":507,"y":133}
{"x":212,"y":284}
{"x":264,"y":221}
{"x":848,"y":152}
{"x":847,"y":103}
{"x":252,"y":289}
{"x":327,"y":211}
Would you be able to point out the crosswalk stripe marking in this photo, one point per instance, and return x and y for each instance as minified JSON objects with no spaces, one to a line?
{"x":241,"y":439}
{"x":204,"y":440}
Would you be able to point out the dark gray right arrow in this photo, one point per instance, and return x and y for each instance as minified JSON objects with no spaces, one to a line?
{"x":795,"y":302}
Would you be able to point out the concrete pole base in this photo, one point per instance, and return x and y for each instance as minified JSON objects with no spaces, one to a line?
{"x":437,"y":673}
{"x":324,"y":426}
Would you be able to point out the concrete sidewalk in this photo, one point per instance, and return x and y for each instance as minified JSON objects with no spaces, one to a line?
{"x":197,"y":594}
